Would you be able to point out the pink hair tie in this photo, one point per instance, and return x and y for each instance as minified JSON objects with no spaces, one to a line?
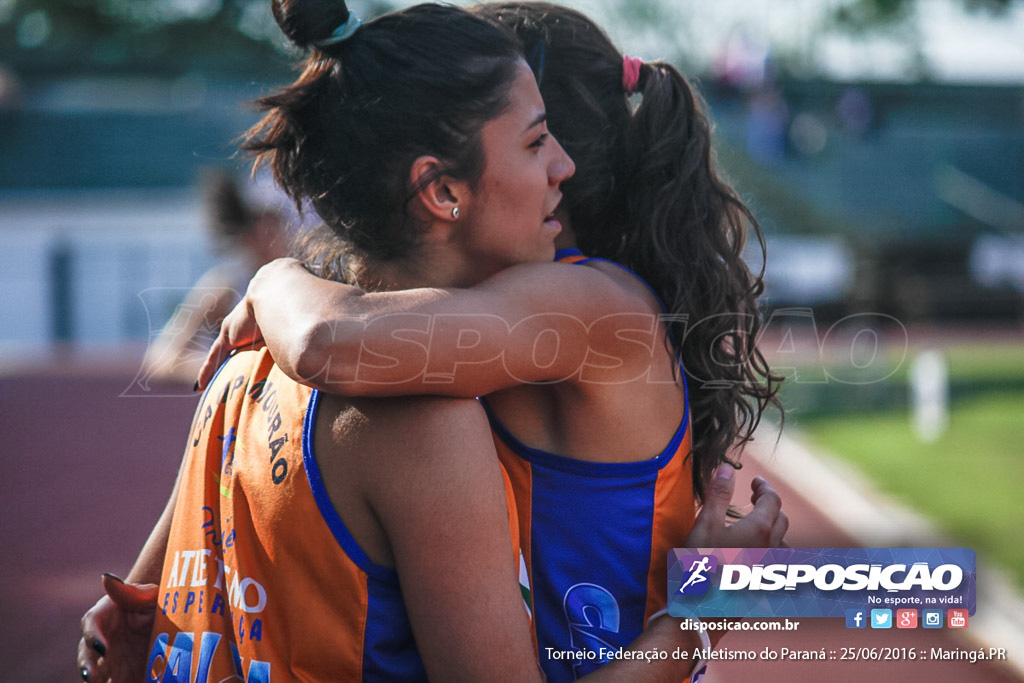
{"x":631,"y":73}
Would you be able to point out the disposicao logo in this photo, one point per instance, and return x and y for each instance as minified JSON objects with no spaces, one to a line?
{"x":821,"y":582}
{"x":698,"y":567}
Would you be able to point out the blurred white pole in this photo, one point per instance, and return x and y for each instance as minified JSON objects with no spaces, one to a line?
{"x":929,"y":390}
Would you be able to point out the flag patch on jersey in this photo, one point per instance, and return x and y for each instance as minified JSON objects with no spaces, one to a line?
{"x":524,"y":585}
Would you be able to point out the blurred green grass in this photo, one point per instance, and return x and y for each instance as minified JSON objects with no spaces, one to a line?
{"x":970,"y":481}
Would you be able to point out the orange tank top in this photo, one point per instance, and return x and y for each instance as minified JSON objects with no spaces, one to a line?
{"x":262,"y":580}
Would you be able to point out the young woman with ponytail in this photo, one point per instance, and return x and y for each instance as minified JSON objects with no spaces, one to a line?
{"x":317,"y":537}
{"x":613,"y":395}
{"x":647,"y":195}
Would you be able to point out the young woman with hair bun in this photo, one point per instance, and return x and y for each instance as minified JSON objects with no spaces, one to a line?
{"x":617,"y":381}
{"x":313,"y":536}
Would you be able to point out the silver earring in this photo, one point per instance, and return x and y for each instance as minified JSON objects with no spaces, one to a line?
{"x":455,"y":212}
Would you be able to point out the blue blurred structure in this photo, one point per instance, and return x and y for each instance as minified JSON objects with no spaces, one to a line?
{"x":100,"y":221}
{"x":911,"y":179}
{"x":903,"y":199}
{"x":138,"y":132}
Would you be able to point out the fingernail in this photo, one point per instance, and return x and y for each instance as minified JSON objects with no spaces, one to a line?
{"x":725,"y":471}
{"x":100,"y":648}
{"x":195,"y":387}
{"x":115,"y":577}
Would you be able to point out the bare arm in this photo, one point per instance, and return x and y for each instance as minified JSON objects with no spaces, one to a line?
{"x":116,"y":630}
{"x":149,"y":564}
{"x":530,"y":323}
{"x":442,"y":508}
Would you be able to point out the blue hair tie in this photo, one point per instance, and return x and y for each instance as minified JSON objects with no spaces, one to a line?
{"x":342,"y":33}
{"x":536,"y":61}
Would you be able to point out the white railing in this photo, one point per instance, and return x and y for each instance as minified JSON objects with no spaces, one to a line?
{"x":96,"y":267}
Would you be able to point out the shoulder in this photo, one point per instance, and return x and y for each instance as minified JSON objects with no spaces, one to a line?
{"x":608,"y":287}
{"x":401,"y":425}
{"x":246,"y":367}
{"x":418,"y":415}
{"x":400,"y":454}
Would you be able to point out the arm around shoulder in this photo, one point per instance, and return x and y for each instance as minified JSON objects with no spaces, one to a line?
{"x":530,"y":323}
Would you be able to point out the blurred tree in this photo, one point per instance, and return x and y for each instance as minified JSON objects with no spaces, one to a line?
{"x":164,"y":36}
{"x":897,"y":19}
{"x":867,"y":14}
{"x":684,"y":31}
{"x":653,"y":28}
{"x":174,"y":36}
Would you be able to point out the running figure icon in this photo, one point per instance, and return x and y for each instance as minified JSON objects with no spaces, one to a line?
{"x":697,"y":571}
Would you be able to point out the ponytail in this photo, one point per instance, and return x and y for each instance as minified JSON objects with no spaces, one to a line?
{"x":685,"y":232}
{"x":646,"y":194}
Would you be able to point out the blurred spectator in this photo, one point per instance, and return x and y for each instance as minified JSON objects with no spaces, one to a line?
{"x":248,"y":231}
{"x":746,"y":64}
{"x":743,"y":60}
{"x":10,"y":89}
{"x":767,"y":124}
{"x":856,"y":114}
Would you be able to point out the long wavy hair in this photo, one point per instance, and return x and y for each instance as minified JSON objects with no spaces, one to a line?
{"x":647,"y":195}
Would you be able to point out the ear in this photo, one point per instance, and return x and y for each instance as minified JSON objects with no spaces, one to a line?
{"x":438,"y":193}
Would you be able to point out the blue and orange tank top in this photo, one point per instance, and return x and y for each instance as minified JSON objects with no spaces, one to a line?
{"x":596,"y":538}
{"x":262,"y":580}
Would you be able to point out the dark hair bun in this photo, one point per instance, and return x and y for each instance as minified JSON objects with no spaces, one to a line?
{"x":344,"y":135}
{"x":306,"y":22}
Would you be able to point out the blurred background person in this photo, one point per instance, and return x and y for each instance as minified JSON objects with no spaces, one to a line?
{"x":248,"y":230}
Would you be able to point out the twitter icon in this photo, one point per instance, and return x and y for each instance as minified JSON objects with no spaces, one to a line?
{"x":881,"y":618}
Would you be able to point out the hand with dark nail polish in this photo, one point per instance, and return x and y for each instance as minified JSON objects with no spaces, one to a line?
{"x":115,"y":632}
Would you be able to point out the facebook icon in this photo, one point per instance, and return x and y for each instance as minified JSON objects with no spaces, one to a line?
{"x":856,"y":618}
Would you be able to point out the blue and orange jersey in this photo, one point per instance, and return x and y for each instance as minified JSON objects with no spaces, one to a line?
{"x":596,"y":537}
{"x":262,"y":580}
